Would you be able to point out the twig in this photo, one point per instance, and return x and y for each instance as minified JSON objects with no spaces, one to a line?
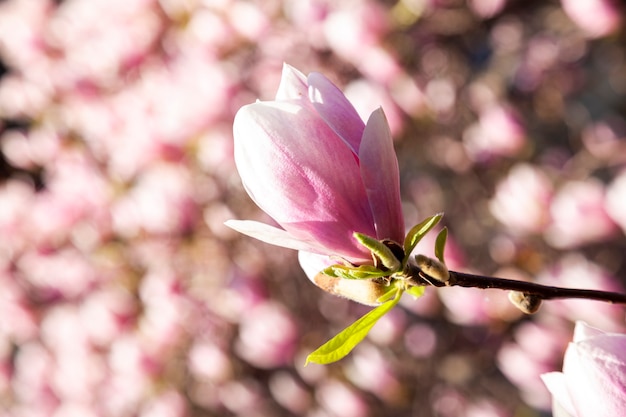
{"x":544,"y":292}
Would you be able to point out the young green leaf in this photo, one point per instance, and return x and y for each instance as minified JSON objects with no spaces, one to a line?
{"x":440,"y":244}
{"x":342,"y":344}
{"x":355,"y":272}
{"x":379,"y":249}
{"x":392,"y":292}
{"x":417,"y":233}
{"x":416,"y":291}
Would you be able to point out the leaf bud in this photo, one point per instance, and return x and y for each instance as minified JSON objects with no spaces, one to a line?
{"x":432,"y":268}
{"x":527,"y":303}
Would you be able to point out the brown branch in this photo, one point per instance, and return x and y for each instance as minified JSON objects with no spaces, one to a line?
{"x":544,"y":292}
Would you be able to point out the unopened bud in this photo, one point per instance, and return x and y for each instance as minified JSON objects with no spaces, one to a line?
{"x":527,"y":303}
{"x":364,"y":291}
{"x":433,"y":268}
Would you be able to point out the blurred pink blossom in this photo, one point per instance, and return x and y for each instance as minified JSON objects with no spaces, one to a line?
{"x":356,"y":33}
{"x":130,"y":370}
{"x":441,"y":96}
{"x":65,"y":273}
{"x":159,"y":202}
{"x":536,"y":350}
{"x":31,"y":382}
{"x":106,"y":314}
{"x":579,"y":203}
{"x":368,"y":96}
{"x":166,"y":404}
{"x":77,"y":371}
{"x":247,"y":19}
{"x":242,"y":396}
{"x":290,"y":392}
{"x":616,"y":200}
{"x":487,"y":8}
{"x":17,"y":198}
{"x":605,"y":139}
{"x":499,"y":132}
{"x":341,"y":400}
{"x":420,"y":340}
{"x":267,"y":336}
{"x":389,"y":329}
{"x":209,"y":362}
{"x":540,"y":55}
{"x":593,"y":381}
{"x":596,"y":17}
{"x":522,"y":199}
{"x":23,"y":323}
{"x":486,"y":408}
{"x":369,"y":371}
{"x":37,"y":148}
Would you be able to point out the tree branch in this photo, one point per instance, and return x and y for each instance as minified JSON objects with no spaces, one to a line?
{"x":544,"y":292}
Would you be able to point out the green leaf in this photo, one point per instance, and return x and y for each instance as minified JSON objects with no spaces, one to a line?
{"x":417,"y":233}
{"x":391,"y":292}
{"x":342,"y":344}
{"x":416,"y":291}
{"x":379,"y":249}
{"x":440,"y":244}
{"x":355,"y":272}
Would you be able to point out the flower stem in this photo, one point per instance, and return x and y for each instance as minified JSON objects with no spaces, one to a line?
{"x":544,"y":292}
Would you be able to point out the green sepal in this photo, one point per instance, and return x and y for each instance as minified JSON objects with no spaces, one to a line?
{"x":343,"y":343}
{"x":355,"y":272}
{"x":416,"y":291}
{"x":380,"y":250}
{"x":417,"y":233}
{"x":440,"y":244}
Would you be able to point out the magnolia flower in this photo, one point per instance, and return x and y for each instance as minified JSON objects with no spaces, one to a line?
{"x":309,"y":162}
{"x":593,"y":381}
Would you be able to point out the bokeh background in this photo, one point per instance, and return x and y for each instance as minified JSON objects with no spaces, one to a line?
{"x":122,"y":293}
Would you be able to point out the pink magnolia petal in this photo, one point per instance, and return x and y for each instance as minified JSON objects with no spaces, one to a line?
{"x":312,"y":263}
{"x":293,"y":85}
{"x":336,"y":110}
{"x":306,"y":179}
{"x":596,"y":376}
{"x":557,"y":385}
{"x":583,"y":331}
{"x":381,"y":177}
{"x":269,"y":234}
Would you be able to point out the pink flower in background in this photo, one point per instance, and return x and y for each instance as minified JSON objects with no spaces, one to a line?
{"x":579,"y":203}
{"x":522,"y":199}
{"x":593,"y":381}
{"x":308,"y":160}
{"x":536,"y":349}
{"x":596,"y":17}
{"x":615,"y":202}
{"x":498,"y":132}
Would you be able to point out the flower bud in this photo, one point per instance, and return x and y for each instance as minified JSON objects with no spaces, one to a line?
{"x":364,"y":291}
{"x":527,"y":303}
{"x":433,"y":268}
{"x":309,"y":161}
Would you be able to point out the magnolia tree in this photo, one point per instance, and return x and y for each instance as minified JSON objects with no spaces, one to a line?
{"x":331,"y":183}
